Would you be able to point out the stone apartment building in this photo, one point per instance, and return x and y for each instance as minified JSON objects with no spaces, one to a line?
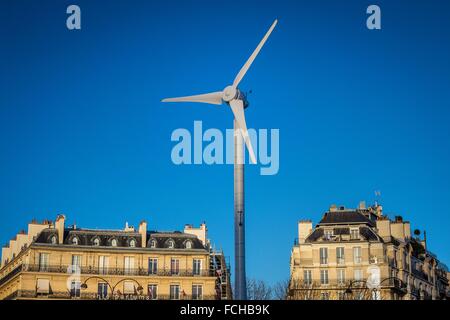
{"x":362,"y":254}
{"x":52,"y":260}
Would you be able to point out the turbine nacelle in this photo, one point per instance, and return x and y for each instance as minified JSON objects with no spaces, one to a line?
{"x":232,"y":93}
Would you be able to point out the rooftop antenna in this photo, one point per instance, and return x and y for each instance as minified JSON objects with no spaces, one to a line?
{"x":377,"y":194}
{"x":237,"y":101}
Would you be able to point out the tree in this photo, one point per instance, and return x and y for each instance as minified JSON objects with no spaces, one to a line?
{"x":280,"y":290}
{"x":258,"y":290}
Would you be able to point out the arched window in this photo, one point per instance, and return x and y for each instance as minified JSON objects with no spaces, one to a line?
{"x":114,"y":243}
{"x":153,"y":243}
{"x":170,"y":244}
{"x":75,"y":241}
{"x":53,"y":239}
{"x":188,"y":244}
{"x":132,"y":243}
{"x":96,"y":242}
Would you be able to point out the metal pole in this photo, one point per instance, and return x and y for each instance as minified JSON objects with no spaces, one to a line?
{"x":239,"y":222}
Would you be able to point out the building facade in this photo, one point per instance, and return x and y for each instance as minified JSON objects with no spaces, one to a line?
{"x":52,"y":260}
{"x":362,"y":254}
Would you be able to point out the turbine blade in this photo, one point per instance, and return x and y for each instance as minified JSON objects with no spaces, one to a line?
{"x":212,"y":98}
{"x":249,"y":62}
{"x":237,"y":106}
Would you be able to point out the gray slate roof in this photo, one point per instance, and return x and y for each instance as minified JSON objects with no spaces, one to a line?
{"x":86,"y":238}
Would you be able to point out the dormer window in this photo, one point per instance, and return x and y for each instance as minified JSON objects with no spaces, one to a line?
{"x":188,"y":244}
{"x":75,"y":241}
{"x":132,"y":243}
{"x":354,"y":233}
{"x":53,"y":239}
{"x":328,"y":234}
{"x":96,"y":242}
{"x":153,"y":243}
{"x":170,"y":244}
{"x":114,"y":243}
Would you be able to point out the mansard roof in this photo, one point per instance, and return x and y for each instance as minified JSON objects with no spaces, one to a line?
{"x":345,"y":216}
{"x":86,"y":237}
{"x":366,"y":234}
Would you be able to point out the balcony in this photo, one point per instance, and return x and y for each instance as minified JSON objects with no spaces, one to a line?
{"x":396,"y":284}
{"x":31,"y":294}
{"x":162,"y":272}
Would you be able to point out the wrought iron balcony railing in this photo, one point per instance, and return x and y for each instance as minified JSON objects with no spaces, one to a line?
{"x":30,"y":294}
{"x":120,"y":271}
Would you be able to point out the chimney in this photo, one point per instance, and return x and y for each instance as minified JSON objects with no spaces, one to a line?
{"x":424,"y":241}
{"x":362,"y":205}
{"x":384,"y":228}
{"x":143,"y":233}
{"x":59,"y":226}
{"x":407,"y":229}
{"x":304,"y":230}
{"x":201,"y":232}
{"x":128,"y":228}
{"x":397,"y":230}
{"x":333,"y":208}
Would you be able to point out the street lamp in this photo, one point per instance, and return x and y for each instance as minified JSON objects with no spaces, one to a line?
{"x":139,"y":288}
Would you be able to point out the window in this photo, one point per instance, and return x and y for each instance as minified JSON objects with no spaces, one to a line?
{"x":323,"y":276}
{"x":328,"y":234}
{"x":43,"y":262}
{"x":129,"y":265}
{"x":197,"y":292}
{"x":153,"y":291}
{"x":341,"y":276}
{"x":357,"y":255}
{"x":53,"y":240}
{"x":323,"y":255}
{"x":132,"y":243}
{"x":153,"y":243}
{"x":75,"y":241}
{"x":340,"y":255}
{"x":174,"y":292}
{"x":174,"y":266}
{"x":394,"y":261}
{"x":188,"y":244}
{"x":75,"y":289}
{"x":114,"y":243}
{"x":358,"y":274}
{"x":96,"y":242}
{"x":354,"y":233}
{"x":376,"y":295}
{"x":103,"y":264}
{"x":76,"y":264}
{"x":170,"y":244}
{"x":324,"y":296}
{"x":102,"y":290}
{"x":196,"y":266}
{"x":307,"y":278}
{"x":359,"y":295}
{"x":152,"y":266}
{"x":43,"y":286}
{"x":393,"y":273}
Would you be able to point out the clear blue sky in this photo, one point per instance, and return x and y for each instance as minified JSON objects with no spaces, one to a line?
{"x":82,"y":131}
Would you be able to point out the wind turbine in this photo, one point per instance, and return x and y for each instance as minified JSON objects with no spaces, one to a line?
{"x":237,"y":100}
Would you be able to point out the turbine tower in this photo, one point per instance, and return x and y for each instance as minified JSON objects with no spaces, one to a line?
{"x":237,"y":101}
